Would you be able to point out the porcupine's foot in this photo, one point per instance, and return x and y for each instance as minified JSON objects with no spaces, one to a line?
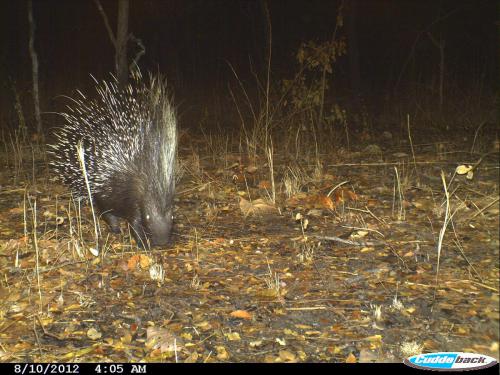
{"x":113,"y":222}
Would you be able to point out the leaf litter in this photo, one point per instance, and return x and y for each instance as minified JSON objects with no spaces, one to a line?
{"x":340,"y":268}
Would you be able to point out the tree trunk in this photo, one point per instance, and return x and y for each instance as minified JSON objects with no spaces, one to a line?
{"x":353,"y":51}
{"x":120,"y":40}
{"x":121,"y":60}
{"x":34,"y":69}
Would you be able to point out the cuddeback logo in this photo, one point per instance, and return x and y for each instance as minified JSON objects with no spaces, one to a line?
{"x":450,"y":361}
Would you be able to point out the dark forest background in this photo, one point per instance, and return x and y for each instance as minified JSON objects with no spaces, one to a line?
{"x":390,"y":50}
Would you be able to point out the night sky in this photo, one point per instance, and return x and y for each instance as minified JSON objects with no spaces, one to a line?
{"x":193,"y":42}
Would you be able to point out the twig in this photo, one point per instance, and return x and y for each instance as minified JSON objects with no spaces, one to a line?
{"x":336,"y":187}
{"x":37,"y":338}
{"x":443,"y":228}
{"x":485,"y":208}
{"x":368,"y":211}
{"x":412,"y":149}
{"x":367,"y":229}
{"x":350,"y":242}
{"x":106,"y":22}
{"x":459,"y":247}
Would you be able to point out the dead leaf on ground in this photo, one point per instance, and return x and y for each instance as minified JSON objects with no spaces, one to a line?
{"x":351,"y":358}
{"x":163,"y":339}
{"x":241,"y":314}
{"x":139,"y":259}
{"x":256,"y":207}
{"x":264,"y":185}
{"x":287,"y":356}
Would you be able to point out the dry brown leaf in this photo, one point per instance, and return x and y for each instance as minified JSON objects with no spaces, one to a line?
{"x":264,"y":184}
{"x":139,"y":259}
{"x":463,"y":169}
{"x":239,"y":178}
{"x":287,"y":356}
{"x":144,"y":261}
{"x":324,"y":202}
{"x":192,"y":358}
{"x":94,"y":334}
{"x":293,"y":202}
{"x":222,"y":353}
{"x":351,"y":358}
{"x":16,"y":211}
{"x":241,"y":314}
{"x":374,"y":338}
{"x":256,"y":207}
{"x":252,"y":169}
{"x":163,"y":339}
{"x":233,"y":336}
{"x":133,"y":261}
{"x":204,"y":325}
{"x":126,"y":338}
{"x":350,"y":195}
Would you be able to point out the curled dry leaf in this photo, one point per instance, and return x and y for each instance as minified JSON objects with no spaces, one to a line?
{"x":94,"y":251}
{"x":463,"y":169}
{"x":252,"y":169}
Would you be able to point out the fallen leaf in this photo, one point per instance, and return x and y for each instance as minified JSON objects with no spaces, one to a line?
{"x":163,"y":339}
{"x":463,"y":169}
{"x":233,"y":336}
{"x":264,"y":184}
{"x":256,"y":207}
{"x":222,"y":353}
{"x":241,"y":314}
{"x":256,"y":343}
{"x":351,"y":358}
{"x":287,"y":356}
{"x":94,"y":334}
{"x":325,"y":202}
{"x":139,"y":259}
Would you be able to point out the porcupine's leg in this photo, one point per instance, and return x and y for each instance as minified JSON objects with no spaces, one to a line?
{"x":103,"y":207}
{"x":113,"y":222}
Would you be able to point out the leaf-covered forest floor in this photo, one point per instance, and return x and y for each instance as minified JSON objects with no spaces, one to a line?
{"x":343,"y":266}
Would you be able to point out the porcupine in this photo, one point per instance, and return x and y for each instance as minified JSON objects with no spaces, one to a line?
{"x":129,"y":139}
